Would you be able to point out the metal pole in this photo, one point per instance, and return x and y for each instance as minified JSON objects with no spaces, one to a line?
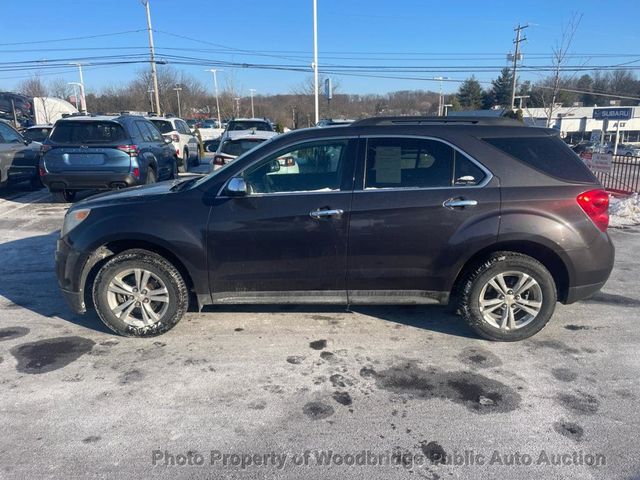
{"x":315,"y":59}
{"x":237,"y":99}
{"x":150,"y":92}
{"x":177,"y":89}
{"x":215,"y":87}
{"x":251,"y":91}
{"x":83,"y":100}
{"x":154,"y":73}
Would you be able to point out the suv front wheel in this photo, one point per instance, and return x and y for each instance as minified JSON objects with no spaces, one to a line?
{"x":140,"y":294}
{"x":508,"y":297}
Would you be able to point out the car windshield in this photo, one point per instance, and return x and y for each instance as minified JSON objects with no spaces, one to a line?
{"x":238,"y":147}
{"x":86,"y":132}
{"x":163,"y":125}
{"x":37,"y":134}
{"x":248,"y":125}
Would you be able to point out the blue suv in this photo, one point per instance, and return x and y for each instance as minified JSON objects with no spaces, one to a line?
{"x":104,"y":153}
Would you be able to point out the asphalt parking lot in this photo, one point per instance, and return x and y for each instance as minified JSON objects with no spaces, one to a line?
{"x":245,"y":392}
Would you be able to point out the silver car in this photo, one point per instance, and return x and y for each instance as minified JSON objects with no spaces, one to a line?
{"x":18,"y":157}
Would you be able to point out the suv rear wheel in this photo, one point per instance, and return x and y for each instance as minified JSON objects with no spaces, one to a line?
{"x":509,"y":297}
{"x":183,"y":166}
{"x":140,"y":294}
{"x":151,"y":176}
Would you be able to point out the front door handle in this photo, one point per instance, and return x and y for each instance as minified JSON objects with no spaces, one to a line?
{"x":459,"y":203}
{"x":318,"y":214}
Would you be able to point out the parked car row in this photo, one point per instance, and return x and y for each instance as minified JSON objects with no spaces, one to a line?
{"x":19,"y":157}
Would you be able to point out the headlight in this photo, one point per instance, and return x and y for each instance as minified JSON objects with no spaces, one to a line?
{"x":73,"y":218}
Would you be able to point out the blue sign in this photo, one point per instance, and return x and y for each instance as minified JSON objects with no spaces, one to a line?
{"x":613,"y":113}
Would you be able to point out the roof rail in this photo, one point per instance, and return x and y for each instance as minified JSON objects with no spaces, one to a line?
{"x":372,"y":121}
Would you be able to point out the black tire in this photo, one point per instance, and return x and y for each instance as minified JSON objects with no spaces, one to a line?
{"x":196,"y":160}
{"x":64,"y":196}
{"x":182,"y":164}
{"x":151,"y":176}
{"x":501,"y":262}
{"x":131,"y":259}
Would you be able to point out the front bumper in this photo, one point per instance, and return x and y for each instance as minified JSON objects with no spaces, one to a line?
{"x":70,"y":270}
{"x":89,"y":181}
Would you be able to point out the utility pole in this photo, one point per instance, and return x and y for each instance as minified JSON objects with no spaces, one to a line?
{"x":237,"y":99}
{"x":251,"y":92}
{"x":516,"y":57}
{"x":150,"y":92}
{"x":315,"y":59}
{"x":215,"y":88}
{"x":152,"y":59}
{"x":178,"y":89}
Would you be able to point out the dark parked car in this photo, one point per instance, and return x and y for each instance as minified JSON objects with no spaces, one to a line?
{"x":18,"y":157}
{"x":37,"y":133}
{"x":104,"y":153}
{"x":497,"y":219}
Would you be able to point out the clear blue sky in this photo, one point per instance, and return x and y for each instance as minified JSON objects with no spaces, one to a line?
{"x":351,"y":32}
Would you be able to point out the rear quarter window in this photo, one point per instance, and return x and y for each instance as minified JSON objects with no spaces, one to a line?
{"x":547,"y":154}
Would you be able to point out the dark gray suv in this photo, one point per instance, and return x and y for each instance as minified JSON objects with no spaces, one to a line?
{"x":492,"y":217}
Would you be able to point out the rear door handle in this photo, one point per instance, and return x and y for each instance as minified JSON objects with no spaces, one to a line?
{"x":459,"y":203}
{"x":318,"y":214}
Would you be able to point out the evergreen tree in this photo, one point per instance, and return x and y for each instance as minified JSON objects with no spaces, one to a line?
{"x":501,"y":88}
{"x":470,"y":94}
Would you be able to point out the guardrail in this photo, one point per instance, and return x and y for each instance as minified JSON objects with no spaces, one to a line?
{"x":623,"y":177}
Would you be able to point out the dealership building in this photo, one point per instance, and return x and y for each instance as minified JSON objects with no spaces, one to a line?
{"x":578,"y":123}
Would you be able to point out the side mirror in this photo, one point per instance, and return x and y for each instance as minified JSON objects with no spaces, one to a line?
{"x":274,"y":166}
{"x":236,"y":187}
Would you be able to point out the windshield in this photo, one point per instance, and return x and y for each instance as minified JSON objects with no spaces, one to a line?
{"x":163,"y":125}
{"x":238,"y":147}
{"x":36,"y":134}
{"x":248,"y":125}
{"x":85,"y":132}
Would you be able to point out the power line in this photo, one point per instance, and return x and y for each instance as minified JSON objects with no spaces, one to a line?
{"x":73,"y":38}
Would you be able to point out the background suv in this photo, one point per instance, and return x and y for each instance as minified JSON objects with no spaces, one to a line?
{"x":184,"y":141}
{"x":104,"y":153}
{"x":487,"y":215}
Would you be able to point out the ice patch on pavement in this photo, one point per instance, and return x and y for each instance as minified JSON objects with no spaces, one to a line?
{"x":624,"y":212}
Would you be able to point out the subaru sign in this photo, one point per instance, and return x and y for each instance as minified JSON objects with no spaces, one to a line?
{"x":613,"y":113}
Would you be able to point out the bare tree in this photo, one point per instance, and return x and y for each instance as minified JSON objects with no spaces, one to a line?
{"x":560,"y":52}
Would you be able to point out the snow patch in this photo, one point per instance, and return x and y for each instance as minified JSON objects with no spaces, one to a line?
{"x":624,"y":212}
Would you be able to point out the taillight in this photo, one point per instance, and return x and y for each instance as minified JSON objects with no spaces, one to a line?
{"x":42,"y":171}
{"x":175,"y":137}
{"x":130,"y":149}
{"x":218,"y":160}
{"x":595,"y":204}
{"x":136,"y":172}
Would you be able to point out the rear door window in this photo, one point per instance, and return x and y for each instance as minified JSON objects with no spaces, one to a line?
{"x":548,"y":154}
{"x":418,"y":163}
{"x":88,"y":132}
{"x":163,"y":125}
{"x":8,"y":134}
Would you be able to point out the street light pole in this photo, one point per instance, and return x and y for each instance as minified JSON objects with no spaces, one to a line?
{"x":81,"y":87}
{"x":446,"y":108}
{"x":237,"y":99}
{"x":83,"y":100}
{"x":177,"y":88}
{"x":154,"y":73}
{"x":315,"y":59}
{"x":252,"y":91}
{"x":215,"y":86}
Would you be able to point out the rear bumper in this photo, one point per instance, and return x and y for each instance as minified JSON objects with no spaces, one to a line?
{"x":89,"y":181}
{"x":592,"y":267}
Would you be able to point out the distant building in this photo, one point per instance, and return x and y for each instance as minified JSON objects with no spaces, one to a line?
{"x":578,"y":123}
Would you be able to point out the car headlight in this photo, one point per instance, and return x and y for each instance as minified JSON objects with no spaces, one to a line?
{"x":73,"y":218}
